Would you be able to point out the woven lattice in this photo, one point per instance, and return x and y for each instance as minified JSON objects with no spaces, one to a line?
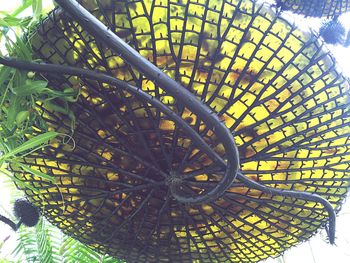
{"x":318,"y":8}
{"x":273,"y":86}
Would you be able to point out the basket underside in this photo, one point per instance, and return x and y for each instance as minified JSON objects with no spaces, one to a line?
{"x":275,"y":88}
{"x":316,"y":8}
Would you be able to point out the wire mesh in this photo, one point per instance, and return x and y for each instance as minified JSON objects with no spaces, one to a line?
{"x":277,"y":90}
{"x":317,"y":8}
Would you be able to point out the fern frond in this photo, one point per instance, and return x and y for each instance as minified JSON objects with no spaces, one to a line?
{"x":47,"y":244}
{"x":26,"y":249}
{"x":44,"y":243}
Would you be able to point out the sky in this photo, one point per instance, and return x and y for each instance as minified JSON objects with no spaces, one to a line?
{"x":316,"y":250}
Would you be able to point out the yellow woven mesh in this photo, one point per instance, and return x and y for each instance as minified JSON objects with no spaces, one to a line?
{"x":274,"y":87}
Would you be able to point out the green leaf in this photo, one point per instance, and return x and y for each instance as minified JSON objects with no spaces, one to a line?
{"x":31,"y":87}
{"x":9,"y":21}
{"x":21,"y":8}
{"x":13,"y":109}
{"x":37,"y":7}
{"x":21,"y":117}
{"x":30,"y":144}
{"x":44,"y":243}
{"x":4,"y":74}
{"x":21,"y":49}
{"x":35,"y":172}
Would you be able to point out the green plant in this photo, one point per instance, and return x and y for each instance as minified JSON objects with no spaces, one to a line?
{"x":20,"y":93}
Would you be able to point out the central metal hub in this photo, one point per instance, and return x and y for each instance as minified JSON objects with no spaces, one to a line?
{"x":174,"y":179}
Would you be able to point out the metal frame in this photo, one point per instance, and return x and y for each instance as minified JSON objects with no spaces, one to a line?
{"x":229,"y":168}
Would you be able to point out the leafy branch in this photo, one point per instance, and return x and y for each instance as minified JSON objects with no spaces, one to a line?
{"x":23,"y":130}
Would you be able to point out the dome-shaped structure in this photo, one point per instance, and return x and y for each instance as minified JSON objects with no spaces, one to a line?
{"x":274,"y":87}
{"x":316,"y":8}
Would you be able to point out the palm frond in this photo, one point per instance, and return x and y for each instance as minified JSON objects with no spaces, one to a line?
{"x":44,"y":243}
{"x":47,"y":244}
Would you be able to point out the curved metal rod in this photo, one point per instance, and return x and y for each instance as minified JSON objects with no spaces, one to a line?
{"x":295,"y":194}
{"x":73,"y":71}
{"x":102,"y":33}
{"x":9,"y":222}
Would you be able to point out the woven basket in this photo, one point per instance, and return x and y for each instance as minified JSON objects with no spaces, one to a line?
{"x":316,"y":8}
{"x":118,"y":189}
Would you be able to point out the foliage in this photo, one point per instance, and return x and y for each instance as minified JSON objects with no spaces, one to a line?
{"x":20,"y":92}
{"x":46,"y":243}
{"x":20,"y":124}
